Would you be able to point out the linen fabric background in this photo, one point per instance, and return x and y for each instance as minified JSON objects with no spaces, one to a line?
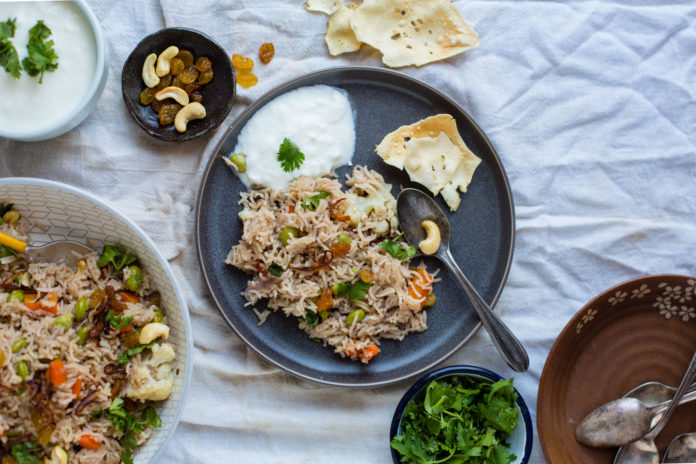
{"x":590,"y":104}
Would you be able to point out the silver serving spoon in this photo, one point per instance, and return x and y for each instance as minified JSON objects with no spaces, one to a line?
{"x":654,"y":393}
{"x":412,"y":208}
{"x":644,"y":450}
{"x":682,"y":449}
{"x":622,"y":421}
{"x":68,"y":252}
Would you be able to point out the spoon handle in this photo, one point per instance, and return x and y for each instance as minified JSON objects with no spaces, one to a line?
{"x":689,"y":376}
{"x":508,"y":345}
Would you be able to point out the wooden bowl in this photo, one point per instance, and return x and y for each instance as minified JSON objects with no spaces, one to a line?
{"x":641,"y":330}
{"x":218,"y":94}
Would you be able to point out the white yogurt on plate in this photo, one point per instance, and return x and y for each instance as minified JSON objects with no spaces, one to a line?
{"x":24,"y":103}
{"x":317,"y":118}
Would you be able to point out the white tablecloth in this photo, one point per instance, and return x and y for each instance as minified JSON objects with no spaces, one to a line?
{"x":591,"y":106}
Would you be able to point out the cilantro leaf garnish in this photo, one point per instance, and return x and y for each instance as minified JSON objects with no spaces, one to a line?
{"x":312,"y":318}
{"x":290,"y":156}
{"x":312,"y":202}
{"x":276,"y":270}
{"x":42,"y":57}
{"x":460,"y":419}
{"x":117,"y":257}
{"x":8,"y":53}
{"x":26,"y":453}
{"x":358,"y":290}
{"x":355,"y":291}
{"x":397,"y":249}
{"x":124,"y":357}
{"x":130,"y":425}
{"x":117,"y":321}
{"x":8,"y":28}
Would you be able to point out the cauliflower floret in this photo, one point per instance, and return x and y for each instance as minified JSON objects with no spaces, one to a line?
{"x":152,"y":378}
{"x":381,"y":202}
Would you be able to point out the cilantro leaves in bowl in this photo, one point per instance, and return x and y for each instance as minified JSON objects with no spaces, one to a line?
{"x":463,"y":415}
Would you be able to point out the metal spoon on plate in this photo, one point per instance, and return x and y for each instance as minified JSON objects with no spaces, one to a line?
{"x":412,"y":208}
{"x":644,"y":450}
{"x":654,"y":393}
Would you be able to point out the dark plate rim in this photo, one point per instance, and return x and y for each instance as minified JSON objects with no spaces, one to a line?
{"x":569,"y":330}
{"x":177,"y":136}
{"x":282,"y":88}
{"x":450,"y":371}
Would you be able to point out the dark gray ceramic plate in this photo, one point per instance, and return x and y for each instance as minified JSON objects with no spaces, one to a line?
{"x":482,"y":235}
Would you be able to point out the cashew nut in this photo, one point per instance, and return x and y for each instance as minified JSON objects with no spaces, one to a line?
{"x":432,"y":238}
{"x":164,"y":58}
{"x":149,"y":75}
{"x":176,"y":93}
{"x":152,"y":331}
{"x":188,"y":113}
{"x":59,"y":456}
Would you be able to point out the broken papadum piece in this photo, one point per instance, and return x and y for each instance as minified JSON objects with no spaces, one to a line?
{"x":328,"y":7}
{"x":340,"y":38}
{"x":433,"y":154}
{"x":413,"y":32}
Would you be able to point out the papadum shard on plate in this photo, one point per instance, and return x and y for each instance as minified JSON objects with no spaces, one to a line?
{"x":413,"y":32}
{"x":340,"y":37}
{"x":433,"y":154}
{"x":328,"y":7}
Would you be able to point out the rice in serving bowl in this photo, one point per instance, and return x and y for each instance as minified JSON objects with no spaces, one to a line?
{"x":57,"y":211}
{"x":321,"y":283}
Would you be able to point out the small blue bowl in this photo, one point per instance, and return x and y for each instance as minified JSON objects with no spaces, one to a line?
{"x":521,"y":439}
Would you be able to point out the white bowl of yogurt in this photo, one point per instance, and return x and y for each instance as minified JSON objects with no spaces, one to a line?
{"x":32,"y":111}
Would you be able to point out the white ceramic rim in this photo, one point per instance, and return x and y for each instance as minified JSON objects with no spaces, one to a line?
{"x":90,"y":98}
{"x":163,"y":262}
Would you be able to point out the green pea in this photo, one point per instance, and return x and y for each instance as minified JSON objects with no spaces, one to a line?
{"x":16,"y":295}
{"x":82,"y":335}
{"x":344,"y":238}
{"x":22,"y":370}
{"x":135,"y":278}
{"x":239,"y":160}
{"x":159,"y":315}
{"x":323,"y":314}
{"x":287,"y":233}
{"x":19,"y":344}
{"x":64,"y":320}
{"x":355,"y":315}
{"x":81,"y":308}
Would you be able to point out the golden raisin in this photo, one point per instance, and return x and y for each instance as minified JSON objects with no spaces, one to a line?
{"x":247,"y":79}
{"x":156,"y":105}
{"x":176,"y":66}
{"x":242,"y":63}
{"x":146,"y":96}
{"x":188,"y":75}
{"x":366,"y":276}
{"x":176,"y":82}
{"x":203,"y":64}
{"x":196,"y":97}
{"x":266,"y":52}
{"x":185,"y":56}
{"x":205,"y":77}
{"x":192,"y":87}
{"x":168,"y":112}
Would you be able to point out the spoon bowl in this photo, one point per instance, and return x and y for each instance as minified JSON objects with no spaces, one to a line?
{"x":412,"y":208}
{"x":681,"y":449}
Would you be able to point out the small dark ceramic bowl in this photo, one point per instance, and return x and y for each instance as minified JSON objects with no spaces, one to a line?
{"x":521,"y":439}
{"x":218,"y":94}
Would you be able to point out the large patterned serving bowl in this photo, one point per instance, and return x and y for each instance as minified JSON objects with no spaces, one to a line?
{"x":57,"y":212}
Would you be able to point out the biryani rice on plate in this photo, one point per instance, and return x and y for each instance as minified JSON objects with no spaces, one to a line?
{"x":83,"y":356}
{"x":335,"y":260}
